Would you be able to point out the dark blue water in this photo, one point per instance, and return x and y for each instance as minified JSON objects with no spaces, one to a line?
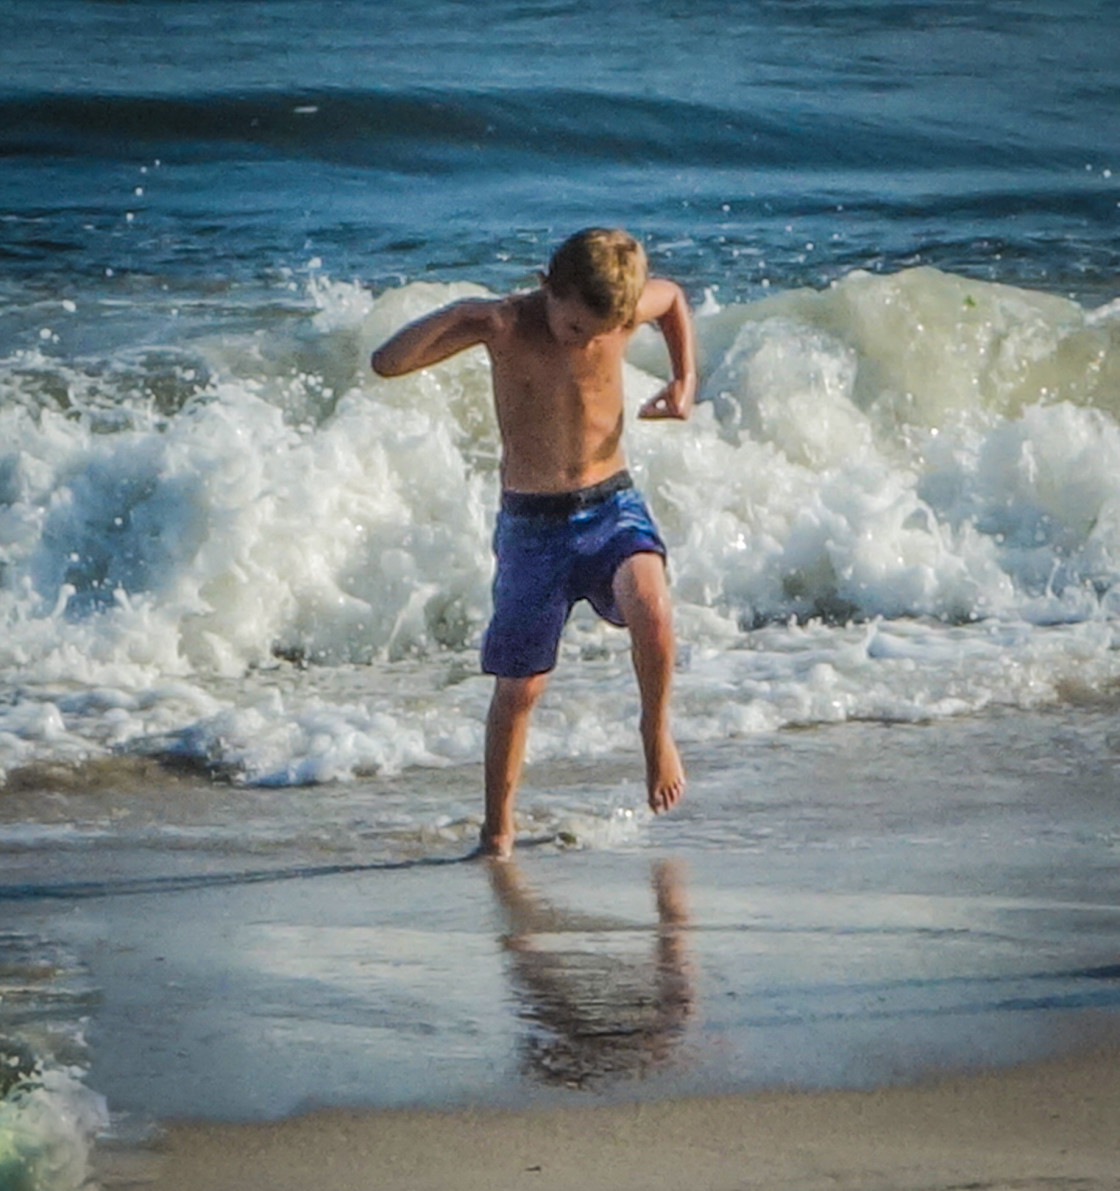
{"x":211,"y":142}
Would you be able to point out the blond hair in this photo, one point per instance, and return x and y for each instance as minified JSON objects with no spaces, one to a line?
{"x":605,"y":268}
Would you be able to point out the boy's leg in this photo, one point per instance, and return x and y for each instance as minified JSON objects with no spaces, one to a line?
{"x":642,"y":594}
{"x":507,"y":730}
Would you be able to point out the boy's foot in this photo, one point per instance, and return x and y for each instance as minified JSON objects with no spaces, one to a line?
{"x":497,"y":847}
{"x":664,"y":773}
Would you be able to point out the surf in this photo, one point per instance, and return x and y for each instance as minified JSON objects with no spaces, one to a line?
{"x":880,"y":473}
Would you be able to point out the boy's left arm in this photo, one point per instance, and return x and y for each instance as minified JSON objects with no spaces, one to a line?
{"x":664,"y":302}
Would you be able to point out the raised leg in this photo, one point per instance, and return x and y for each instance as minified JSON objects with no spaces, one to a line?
{"x":642,"y":593}
{"x":507,"y":730}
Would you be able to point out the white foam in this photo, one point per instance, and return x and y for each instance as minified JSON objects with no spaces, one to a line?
{"x":47,"y":1126}
{"x":913,"y":446}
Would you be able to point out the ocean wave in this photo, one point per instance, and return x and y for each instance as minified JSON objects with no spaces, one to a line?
{"x":912,"y":449}
{"x":445,"y":131}
{"x":914,"y":444}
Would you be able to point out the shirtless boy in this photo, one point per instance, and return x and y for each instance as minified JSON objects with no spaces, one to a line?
{"x":571,"y":525}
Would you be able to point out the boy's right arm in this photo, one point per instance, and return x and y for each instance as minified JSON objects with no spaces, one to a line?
{"x":436,"y":336}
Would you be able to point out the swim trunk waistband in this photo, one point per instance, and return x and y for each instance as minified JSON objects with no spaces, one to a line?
{"x":564,"y":504}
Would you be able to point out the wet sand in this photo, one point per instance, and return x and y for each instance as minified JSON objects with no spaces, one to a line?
{"x":858,"y":959}
{"x":1048,"y":1125}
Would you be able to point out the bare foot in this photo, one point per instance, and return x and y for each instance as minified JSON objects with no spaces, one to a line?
{"x":664,"y":772}
{"x":497,"y":847}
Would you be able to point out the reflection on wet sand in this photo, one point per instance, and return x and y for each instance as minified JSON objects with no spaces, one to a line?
{"x":600,"y":1003}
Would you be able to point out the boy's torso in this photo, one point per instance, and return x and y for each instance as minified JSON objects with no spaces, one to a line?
{"x":560,"y":409}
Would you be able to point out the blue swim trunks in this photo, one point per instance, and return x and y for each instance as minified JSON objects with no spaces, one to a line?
{"x":553,"y":550}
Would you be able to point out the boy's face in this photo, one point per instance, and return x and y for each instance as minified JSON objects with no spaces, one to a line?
{"x":571,"y":323}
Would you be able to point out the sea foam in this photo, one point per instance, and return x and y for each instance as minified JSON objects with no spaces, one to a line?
{"x":912,"y":449}
{"x":47,"y":1126}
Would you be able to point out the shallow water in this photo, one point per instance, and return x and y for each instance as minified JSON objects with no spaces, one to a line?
{"x":838,"y":907}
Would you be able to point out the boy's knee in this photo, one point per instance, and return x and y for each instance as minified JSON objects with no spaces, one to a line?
{"x":514,"y":695}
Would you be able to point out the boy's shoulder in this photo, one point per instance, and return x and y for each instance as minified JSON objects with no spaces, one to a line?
{"x":488,"y":320}
{"x":656,"y":298}
{"x":518,"y":316}
{"x":524,"y":305}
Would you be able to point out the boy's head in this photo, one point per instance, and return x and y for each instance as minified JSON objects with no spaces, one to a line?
{"x":604,"y":269}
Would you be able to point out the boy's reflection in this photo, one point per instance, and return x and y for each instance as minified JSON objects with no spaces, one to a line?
{"x":600,"y":1006}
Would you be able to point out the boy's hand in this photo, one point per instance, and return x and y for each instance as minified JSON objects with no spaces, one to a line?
{"x":673,"y":401}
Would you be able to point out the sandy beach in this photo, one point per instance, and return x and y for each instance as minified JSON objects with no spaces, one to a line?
{"x":1048,"y":1125}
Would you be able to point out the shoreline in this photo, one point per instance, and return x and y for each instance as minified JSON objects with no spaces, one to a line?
{"x":1048,"y":1124}
{"x":922,"y":920}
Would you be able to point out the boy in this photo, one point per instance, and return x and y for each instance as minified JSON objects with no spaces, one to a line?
{"x":571,"y":525}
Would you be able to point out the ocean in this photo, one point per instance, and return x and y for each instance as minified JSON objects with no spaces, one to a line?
{"x":243,"y":580}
